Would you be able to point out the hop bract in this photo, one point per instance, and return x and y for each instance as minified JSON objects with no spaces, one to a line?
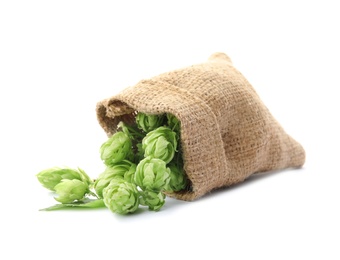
{"x":121,"y":197}
{"x":116,"y":149}
{"x":178,"y":180}
{"x":71,"y":190}
{"x":173,"y":123}
{"x":49,"y":178}
{"x":152,"y":174}
{"x":124,"y":170}
{"x":154,"y":200}
{"x":129,"y":174}
{"x":160,"y":143}
{"x":149,"y":122}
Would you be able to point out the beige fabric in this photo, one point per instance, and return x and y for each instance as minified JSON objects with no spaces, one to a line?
{"x":227,"y":133}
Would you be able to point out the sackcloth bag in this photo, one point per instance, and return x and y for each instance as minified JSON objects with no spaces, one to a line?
{"x":227,"y":133}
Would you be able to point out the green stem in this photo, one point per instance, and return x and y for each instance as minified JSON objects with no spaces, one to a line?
{"x":92,"y":204}
{"x":133,"y":131}
{"x":93,"y":194}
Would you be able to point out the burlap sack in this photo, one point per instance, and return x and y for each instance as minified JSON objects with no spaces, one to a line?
{"x":227,"y":133}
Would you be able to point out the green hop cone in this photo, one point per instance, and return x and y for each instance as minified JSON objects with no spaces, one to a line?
{"x":160,"y":143}
{"x":124,"y":170}
{"x":152,"y":174}
{"x":178,"y":180}
{"x":154,"y":200}
{"x":149,"y":122}
{"x":116,"y":149}
{"x":71,"y":190}
{"x":173,"y":123}
{"x":49,"y":178}
{"x":121,"y":197}
{"x":129,"y":175}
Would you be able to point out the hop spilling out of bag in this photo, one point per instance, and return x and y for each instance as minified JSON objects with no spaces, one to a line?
{"x":225,"y":135}
{"x":143,"y":161}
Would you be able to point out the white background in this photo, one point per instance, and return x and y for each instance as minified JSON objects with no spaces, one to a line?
{"x":59,"y":58}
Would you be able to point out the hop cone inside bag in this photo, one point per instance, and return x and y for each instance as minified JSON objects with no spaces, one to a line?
{"x":148,"y":147}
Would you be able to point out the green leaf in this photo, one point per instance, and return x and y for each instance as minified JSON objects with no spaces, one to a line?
{"x":88,"y":204}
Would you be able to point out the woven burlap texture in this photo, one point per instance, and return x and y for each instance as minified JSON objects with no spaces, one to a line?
{"x":227,"y":133}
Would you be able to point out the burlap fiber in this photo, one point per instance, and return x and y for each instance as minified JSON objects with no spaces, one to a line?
{"x":227,"y":133}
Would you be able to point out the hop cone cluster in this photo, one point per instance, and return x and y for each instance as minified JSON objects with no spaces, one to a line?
{"x":142,"y":160}
{"x":69,"y":184}
{"x":49,"y":178}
